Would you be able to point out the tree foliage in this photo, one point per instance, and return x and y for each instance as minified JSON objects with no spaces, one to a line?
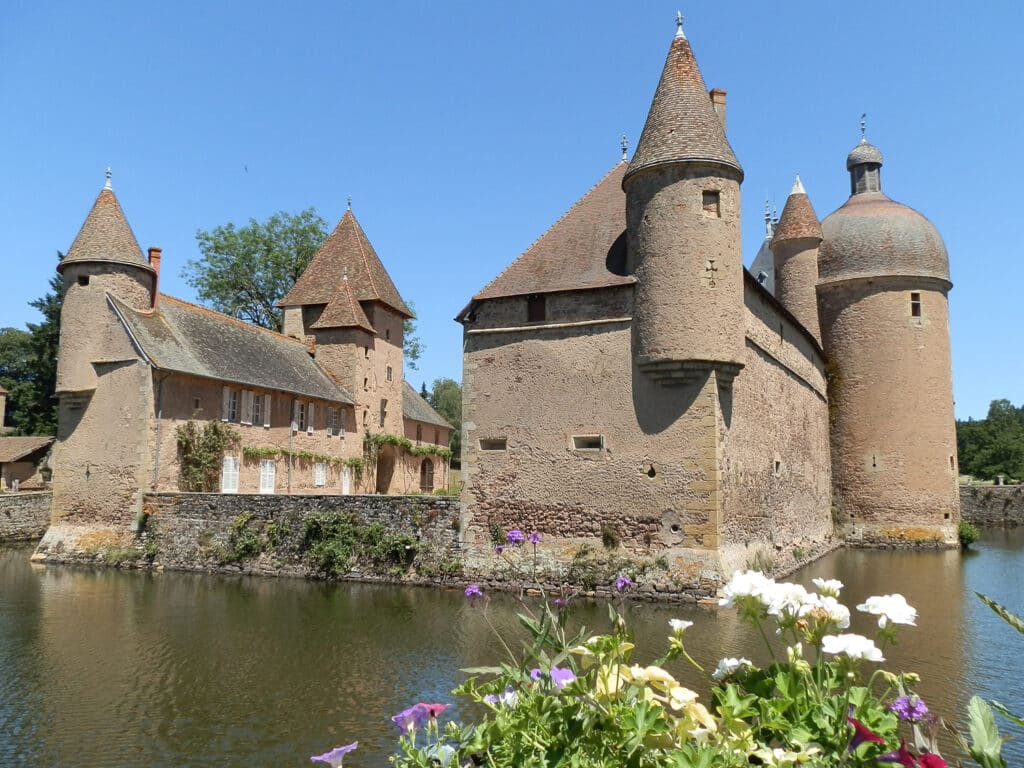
{"x":994,"y":445}
{"x":446,"y":398}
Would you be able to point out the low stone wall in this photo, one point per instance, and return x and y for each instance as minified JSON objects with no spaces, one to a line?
{"x":992,"y":505}
{"x":24,"y":515}
{"x":209,"y":532}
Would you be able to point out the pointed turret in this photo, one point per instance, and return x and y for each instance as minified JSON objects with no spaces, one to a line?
{"x":683,"y":231}
{"x":795,"y":247}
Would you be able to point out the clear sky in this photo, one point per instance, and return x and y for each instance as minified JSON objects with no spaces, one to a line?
{"x":463,"y":130}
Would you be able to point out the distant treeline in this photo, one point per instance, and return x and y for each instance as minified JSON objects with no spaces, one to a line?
{"x":994,"y":445}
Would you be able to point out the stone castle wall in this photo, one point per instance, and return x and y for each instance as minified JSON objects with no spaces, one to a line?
{"x":24,"y":515}
{"x":992,"y":505}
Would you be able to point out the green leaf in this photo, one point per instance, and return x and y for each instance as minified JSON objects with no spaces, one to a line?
{"x":1014,"y":621}
{"x":1002,"y":710}
{"x":986,"y":745}
{"x":482,"y":670}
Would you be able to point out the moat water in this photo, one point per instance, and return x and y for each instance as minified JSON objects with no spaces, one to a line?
{"x":108,"y":668}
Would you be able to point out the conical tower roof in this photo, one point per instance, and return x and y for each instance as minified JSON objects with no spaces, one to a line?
{"x":105,"y":236}
{"x":345,"y":255}
{"x":682,"y":125}
{"x":798,"y":221}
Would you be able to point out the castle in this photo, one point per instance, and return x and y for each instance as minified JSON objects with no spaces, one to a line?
{"x":628,"y":382}
{"x":322,"y":408}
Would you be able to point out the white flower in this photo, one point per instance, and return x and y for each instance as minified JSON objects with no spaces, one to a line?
{"x":727,"y":666}
{"x":828,"y":586}
{"x":888,"y":608}
{"x":836,"y":612}
{"x":854,"y":646}
{"x":745,"y":584}
{"x":678,"y":625}
{"x":785,"y":600}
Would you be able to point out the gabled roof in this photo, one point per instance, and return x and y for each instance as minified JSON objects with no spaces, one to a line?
{"x":682,"y":124}
{"x":579,"y":251}
{"x":105,"y":236}
{"x":415,"y":408}
{"x":17,"y":448}
{"x":186,"y":338}
{"x":345,"y":255}
{"x":343,"y":311}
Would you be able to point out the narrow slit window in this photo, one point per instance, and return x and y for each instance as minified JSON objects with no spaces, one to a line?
{"x":588,"y":442}
{"x":389,"y":373}
{"x":493,"y":443}
{"x":536,"y":308}
{"x":712,"y":203}
{"x":915,"y":305}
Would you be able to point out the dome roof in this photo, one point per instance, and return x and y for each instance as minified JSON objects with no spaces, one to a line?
{"x":863,"y":153}
{"x":873,"y":236}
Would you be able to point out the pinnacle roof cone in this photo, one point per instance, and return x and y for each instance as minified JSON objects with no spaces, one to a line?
{"x":682,"y":125}
{"x":105,"y":236}
{"x":798,"y":220}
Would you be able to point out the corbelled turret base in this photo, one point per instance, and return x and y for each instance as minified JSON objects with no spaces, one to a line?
{"x":679,"y":373}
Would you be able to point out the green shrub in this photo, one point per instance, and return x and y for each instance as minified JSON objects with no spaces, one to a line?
{"x":968,"y":534}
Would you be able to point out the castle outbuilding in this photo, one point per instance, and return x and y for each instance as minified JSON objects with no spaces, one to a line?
{"x":628,"y":383}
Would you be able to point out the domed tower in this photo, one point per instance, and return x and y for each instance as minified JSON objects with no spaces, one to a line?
{"x":105,"y":257}
{"x":883,"y":281}
{"x":683,"y":228}
{"x":795,"y":248}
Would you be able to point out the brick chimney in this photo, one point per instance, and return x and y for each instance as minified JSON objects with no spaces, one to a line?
{"x":154,"y":262}
{"x":718,"y":102}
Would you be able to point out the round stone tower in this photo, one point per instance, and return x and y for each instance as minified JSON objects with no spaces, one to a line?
{"x":683,"y":230}
{"x":105,"y":257}
{"x":795,"y":248}
{"x":883,"y":281}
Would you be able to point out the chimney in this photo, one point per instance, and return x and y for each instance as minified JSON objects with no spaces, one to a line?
{"x":154,"y":262}
{"x":718,"y":102}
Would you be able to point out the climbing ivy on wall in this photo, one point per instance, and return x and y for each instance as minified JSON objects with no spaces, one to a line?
{"x":201,"y":451}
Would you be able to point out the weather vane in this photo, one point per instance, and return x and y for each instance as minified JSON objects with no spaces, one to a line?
{"x":106,"y":185}
{"x":863,"y":126}
{"x":624,"y":143}
{"x":679,"y":24}
{"x":350,"y":202}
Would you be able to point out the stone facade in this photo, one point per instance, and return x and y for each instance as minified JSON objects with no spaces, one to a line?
{"x":992,"y":506}
{"x":24,"y":515}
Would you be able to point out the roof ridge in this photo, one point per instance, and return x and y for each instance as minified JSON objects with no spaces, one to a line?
{"x":236,"y":320}
{"x":360,"y":236}
{"x":558,"y":221}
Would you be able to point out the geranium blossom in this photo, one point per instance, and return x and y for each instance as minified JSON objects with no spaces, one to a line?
{"x":727,"y":666}
{"x":334,"y":757}
{"x":744,"y":584}
{"x":889,"y":608}
{"x":828,"y":586}
{"x":678,"y":625}
{"x":833,"y":610}
{"x":854,"y":646}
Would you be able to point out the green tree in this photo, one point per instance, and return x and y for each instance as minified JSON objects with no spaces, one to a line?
{"x":994,"y":445}
{"x":446,"y":398}
{"x":15,"y":372}
{"x":412,"y":347}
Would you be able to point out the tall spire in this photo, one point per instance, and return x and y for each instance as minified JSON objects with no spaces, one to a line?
{"x":106,"y":235}
{"x":682,"y":125}
{"x":798,"y":220}
{"x":679,"y":25}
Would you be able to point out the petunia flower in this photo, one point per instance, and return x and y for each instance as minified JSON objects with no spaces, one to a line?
{"x":903,"y":757}
{"x":889,"y":608}
{"x":562,"y":676}
{"x":533,"y":538}
{"x":440,"y":753}
{"x":931,"y":760}
{"x":854,"y":646}
{"x":862,"y":733}
{"x":334,"y":757}
{"x":515,"y":537}
{"x":433,"y":709}
{"x":910,"y":708}
{"x":622,"y":583}
{"x":412,"y":718}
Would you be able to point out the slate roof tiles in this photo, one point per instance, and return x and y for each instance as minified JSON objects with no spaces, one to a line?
{"x":105,"y":236}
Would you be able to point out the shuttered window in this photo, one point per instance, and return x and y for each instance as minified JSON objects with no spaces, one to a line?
{"x":320,"y":474}
{"x":229,"y":475}
{"x":266,"y":410}
{"x":309,"y":419}
{"x":268,"y":470}
{"x":246,"y":406}
{"x":255,"y":408}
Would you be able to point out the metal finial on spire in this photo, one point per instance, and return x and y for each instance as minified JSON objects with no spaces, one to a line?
{"x":768,"y":218}
{"x":106,"y":184}
{"x":624,"y":143}
{"x":350,"y":202}
{"x":863,"y":127}
{"x":679,"y":25}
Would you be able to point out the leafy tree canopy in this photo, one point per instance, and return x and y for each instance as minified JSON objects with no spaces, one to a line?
{"x":446,"y":398}
{"x":994,"y":445}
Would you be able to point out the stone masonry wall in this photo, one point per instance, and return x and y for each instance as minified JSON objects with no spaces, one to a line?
{"x":192,"y":531}
{"x":992,"y":505}
{"x":24,"y":515}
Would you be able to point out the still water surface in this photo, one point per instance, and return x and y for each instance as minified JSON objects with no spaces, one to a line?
{"x":103,"y":668}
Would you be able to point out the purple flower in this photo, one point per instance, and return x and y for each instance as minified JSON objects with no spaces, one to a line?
{"x":622,"y":583}
{"x":516,"y":537}
{"x":473,"y":591}
{"x":901,"y":756}
{"x":534,"y":538}
{"x":506,"y":699}
{"x":412,"y":718}
{"x":500,"y":549}
{"x":536,"y":674}
{"x":562,"y":676}
{"x":862,"y":733}
{"x":333,"y":758}
{"x":909,"y":708}
{"x":561,"y":602}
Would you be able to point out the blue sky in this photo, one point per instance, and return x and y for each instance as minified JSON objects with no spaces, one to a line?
{"x":462,"y":130}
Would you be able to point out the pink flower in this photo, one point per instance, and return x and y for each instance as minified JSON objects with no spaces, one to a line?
{"x":433,"y":709}
{"x":861,"y":733}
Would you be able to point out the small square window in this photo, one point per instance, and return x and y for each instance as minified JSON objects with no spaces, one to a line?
{"x":196,"y":404}
{"x":536,"y":308}
{"x":711,"y":199}
{"x":83,"y":279}
{"x":493,"y":443}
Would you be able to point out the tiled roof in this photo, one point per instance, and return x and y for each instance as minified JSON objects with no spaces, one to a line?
{"x":105,"y":236}
{"x":16,"y":448}
{"x":186,"y":338}
{"x":579,"y":251}
{"x":798,"y":221}
{"x":416,"y":408}
{"x":343,"y":311}
{"x":682,"y":124}
{"x":863,"y":153}
{"x":346,"y":253}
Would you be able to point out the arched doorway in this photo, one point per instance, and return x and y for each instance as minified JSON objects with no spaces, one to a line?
{"x":427,"y":476}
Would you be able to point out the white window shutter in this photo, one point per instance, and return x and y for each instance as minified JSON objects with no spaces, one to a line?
{"x":266,"y":410}
{"x":246,"y":416}
{"x":229,"y":475}
{"x":309,"y":420}
{"x":225,"y":403}
{"x":295,"y":415}
{"x":267,"y":473}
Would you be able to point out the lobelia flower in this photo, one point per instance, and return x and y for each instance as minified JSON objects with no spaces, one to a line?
{"x":889,"y":608}
{"x":515,"y":537}
{"x":854,"y":646}
{"x":622,"y":583}
{"x":334,"y":757}
{"x":412,"y":718}
{"x":862,"y":733}
{"x":536,"y":674}
{"x":533,"y":538}
{"x":727,"y":666}
{"x":828,"y":586}
{"x":910,"y":708}
{"x":679,"y":625}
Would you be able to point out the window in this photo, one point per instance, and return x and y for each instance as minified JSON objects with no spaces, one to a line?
{"x":711,"y":199}
{"x":588,"y":442}
{"x":309,"y":419}
{"x":229,"y":475}
{"x":246,"y":415}
{"x":915,"y":304}
{"x":320,"y":474}
{"x":366,"y":352}
{"x":536,"y":308}
{"x":427,"y":476}
{"x":419,"y":434}
{"x":268,"y":469}
{"x":437,"y":437}
{"x":266,"y":410}
{"x":493,"y":443}
{"x":383,"y":410}
{"x":83,"y":279}
{"x":332,"y":422}
{"x":300,"y":416}
{"x":389,"y":373}
{"x":387,"y":334}
{"x":229,"y":410}
{"x":366,"y":383}
{"x":255,"y":408}
{"x":196,"y":404}
{"x":366,"y":419}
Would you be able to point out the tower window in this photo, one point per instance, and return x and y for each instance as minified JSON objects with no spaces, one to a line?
{"x":387,"y":334}
{"x":536,"y":308}
{"x":83,"y":279}
{"x":588,"y":442}
{"x":383,"y":410}
{"x":915,"y":304}
{"x":712,"y":202}
{"x":493,"y":443}
{"x":389,"y":373}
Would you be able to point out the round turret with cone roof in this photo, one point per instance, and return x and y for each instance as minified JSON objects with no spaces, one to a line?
{"x":683,"y":230}
{"x":795,"y":248}
{"x":882,"y":301}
